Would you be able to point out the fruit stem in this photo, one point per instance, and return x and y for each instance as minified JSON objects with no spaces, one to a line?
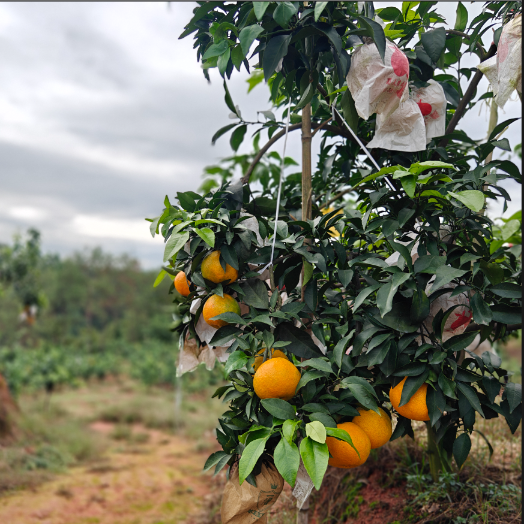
{"x":435,"y":464}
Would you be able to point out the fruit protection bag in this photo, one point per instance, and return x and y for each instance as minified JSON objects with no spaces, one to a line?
{"x":245,"y":504}
{"x":403,"y":130}
{"x":432,"y":102}
{"x":378,"y":86}
{"x":504,"y":71}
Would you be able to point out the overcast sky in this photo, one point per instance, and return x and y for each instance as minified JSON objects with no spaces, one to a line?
{"x":103,"y":111}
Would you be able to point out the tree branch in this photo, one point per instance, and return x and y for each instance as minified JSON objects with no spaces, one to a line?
{"x":468,"y":95}
{"x":332,"y":129}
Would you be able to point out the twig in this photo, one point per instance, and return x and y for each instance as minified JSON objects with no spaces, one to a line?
{"x":321,"y":126}
{"x":336,"y":197}
{"x":468,"y":95}
{"x":509,"y":327}
{"x":467,"y":37}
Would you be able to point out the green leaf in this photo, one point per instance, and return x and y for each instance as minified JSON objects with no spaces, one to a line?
{"x":429,"y":264}
{"x":472,"y":199}
{"x":159,"y":278}
{"x":283,"y":13}
{"x":461,"y":21}
{"x":459,"y":342}
{"x":493,"y":271}
{"x":278,"y":408}
{"x":444,"y":275}
{"x":419,"y":306}
{"x":319,"y":7}
{"x":341,"y":434}
{"x":411,"y":385}
{"x":237,"y":56}
{"x":317,"y":363}
{"x":471,"y":396}
{"x":301,"y":343}
{"x":513,"y":392}
{"x":230,"y":318}
{"x":388,"y":291}
{"x":331,"y":33}
{"x":326,"y":420}
{"x":420,"y":167}
{"x":260,"y":9}
{"x":237,"y":137}
{"x":509,"y":229}
{"x":216,"y":49}
{"x":376,"y":32}
{"x":340,"y":349}
{"x":174,"y":244}
{"x":308,"y":376}
{"x":481,"y":312}
{"x":249,"y":457}
{"x":364,"y":294}
{"x":288,"y":429}
{"x":287,"y":460}
{"x":207,"y":235}
{"x":228,"y":100}
{"x":506,"y":290}
{"x":362,"y":391}
{"x":255,"y":294}
{"x":434,"y":42}
{"x":447,"y":386}
{"x":222,"y":131}
{"x":461,"y":448}
{"x":222,"y":63}
{"x":247,"y":36}
{"x":308,"y":272}
{"x":237,"y":360}
{"x":307,"y":96}
{"x":315,"y":457}
{"x":409,"y":184}
{"x":274,"y":52}
{"x":315,"y":430}
{"x":506,"y":314}
{"x":348,"y":108}
{"x":214,"y":459}
{"x":224,"y":334}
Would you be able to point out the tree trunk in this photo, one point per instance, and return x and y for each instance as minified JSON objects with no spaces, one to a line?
{"x":7,"y":407}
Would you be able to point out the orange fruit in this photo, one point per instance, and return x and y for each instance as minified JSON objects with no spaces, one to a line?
{"x":216,"y":305}
{"x":275,"y":353}
{"x":182,"y":284}
{"x":376,"y":427}
{"x":276,"y":378}
{"x":416,"y":408}
{"x":212,"y":269}
{"x":342,"y":454}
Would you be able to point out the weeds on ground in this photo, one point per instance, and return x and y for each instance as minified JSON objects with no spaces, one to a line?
{"x":48,"y":441}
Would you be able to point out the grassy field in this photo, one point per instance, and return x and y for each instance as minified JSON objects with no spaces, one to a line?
{"x":117,"y":452}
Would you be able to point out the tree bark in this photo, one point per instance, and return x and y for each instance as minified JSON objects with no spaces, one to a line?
{"x":7,"y":407}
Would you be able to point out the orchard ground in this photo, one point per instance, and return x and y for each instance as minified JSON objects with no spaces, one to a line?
{"x":113,"y":452}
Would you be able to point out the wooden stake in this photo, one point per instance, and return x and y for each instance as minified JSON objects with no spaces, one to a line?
{"x":303,"y":513}
{"x":306,"y":162}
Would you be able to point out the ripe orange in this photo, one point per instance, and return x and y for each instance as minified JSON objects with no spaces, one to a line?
{"x":275,"y":353}
{"x":342,"y":454}
{"x":416,"y":408}
{"x":212,"y":269}
{"x":182,"y":284}
{"x":216,"y":305}
{"x":276,"y":378}
{"x":376,"y":427}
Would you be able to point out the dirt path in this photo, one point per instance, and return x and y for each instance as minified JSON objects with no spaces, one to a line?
{"x":156,"y":482}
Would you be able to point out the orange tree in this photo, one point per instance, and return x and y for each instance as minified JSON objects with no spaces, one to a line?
{"x":415,"y":278}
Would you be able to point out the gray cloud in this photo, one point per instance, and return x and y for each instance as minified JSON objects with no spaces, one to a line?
{"x":104,"y":111}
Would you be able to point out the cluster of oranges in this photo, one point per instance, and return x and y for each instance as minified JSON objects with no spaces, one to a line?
{"x":277,"y":377}
{"x":215,"y":305}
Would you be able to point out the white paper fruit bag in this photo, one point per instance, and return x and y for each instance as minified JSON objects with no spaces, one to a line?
{"x":504,"y":71}
{"x":403,"y":130}
{"x":432,"y":102}
{"x":377,"y":86}
{"x":509,"y":61}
